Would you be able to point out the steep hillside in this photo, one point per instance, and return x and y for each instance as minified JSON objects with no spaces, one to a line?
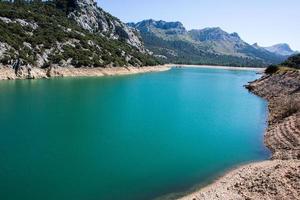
{"x":172,"y":42}
{"x":95,"y":20}
{"x":67,"y":33}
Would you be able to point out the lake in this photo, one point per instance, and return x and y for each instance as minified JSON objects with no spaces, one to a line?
{"x":134,"y":137}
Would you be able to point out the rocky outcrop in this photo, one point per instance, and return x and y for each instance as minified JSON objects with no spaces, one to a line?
{"x":3,"y":48}
{"x":95,"y":20}
{"x":279,"y":178}
{"x":282,"y":90}
{"x":22,"y":22}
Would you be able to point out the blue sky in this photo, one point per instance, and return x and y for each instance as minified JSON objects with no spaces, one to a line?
{"x":266,"y":22}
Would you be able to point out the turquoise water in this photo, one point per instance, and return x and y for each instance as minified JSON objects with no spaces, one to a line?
{"x":132,"y":137}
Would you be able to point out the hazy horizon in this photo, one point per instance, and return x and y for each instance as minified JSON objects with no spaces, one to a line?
{"x":266,"y":22}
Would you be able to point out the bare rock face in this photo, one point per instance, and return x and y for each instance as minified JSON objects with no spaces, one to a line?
{"x":92,"y":18}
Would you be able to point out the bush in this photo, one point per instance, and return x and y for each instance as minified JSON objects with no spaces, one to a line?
{"x":272,"y":69}
{"x":56,"y":58}
{"x":5,"y":60}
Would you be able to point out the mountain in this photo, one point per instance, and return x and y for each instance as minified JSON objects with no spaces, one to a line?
{"x":95,"y":20}
{"x":281,"y":49}
{"x":67,"y":33}
{"x":170,"y":41}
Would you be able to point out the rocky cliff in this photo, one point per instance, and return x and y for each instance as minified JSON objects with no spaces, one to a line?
{"x":95,"y":20}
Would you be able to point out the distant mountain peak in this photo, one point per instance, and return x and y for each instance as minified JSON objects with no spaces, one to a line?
{"x":214,"y":34}
{"x":170,"y":28}
{"x":211,"y":30}
{"x":281,"y":49}
{"x":172,"y":41}
{"x":234,"y":34}
{"x":168,"y":25}
{"x":163,"y":23}
{"x":283,"y":46}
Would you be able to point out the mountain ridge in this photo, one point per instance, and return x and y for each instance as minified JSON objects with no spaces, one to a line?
{"x":281,"y":49}
{"x":199,"y":46}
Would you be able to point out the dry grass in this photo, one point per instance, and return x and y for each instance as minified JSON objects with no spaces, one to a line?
{"x":285,"y":69}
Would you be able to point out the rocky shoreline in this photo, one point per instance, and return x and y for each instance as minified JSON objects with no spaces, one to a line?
{"x":278,"y":178}
{"x":7,"y":73}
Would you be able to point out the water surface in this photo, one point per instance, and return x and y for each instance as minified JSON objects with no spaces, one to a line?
{"x":131,"y":137}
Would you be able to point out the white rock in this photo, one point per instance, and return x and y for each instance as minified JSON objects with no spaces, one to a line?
{"x":95,"y":20}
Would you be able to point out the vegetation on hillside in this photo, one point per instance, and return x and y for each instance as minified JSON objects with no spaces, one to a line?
{"x":272,"y":69}
{"x":182,"y":52}
{"x":292,"y":62}
{"x":38,"y":28}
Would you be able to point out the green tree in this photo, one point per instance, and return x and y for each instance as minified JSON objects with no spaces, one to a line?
{"x":65,"y":5}
{"x":293,"y":61}
{"x":272,"y":69}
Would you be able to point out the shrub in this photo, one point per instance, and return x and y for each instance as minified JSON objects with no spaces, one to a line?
{"x":5,"y":60}
{"x":272,"y":69}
